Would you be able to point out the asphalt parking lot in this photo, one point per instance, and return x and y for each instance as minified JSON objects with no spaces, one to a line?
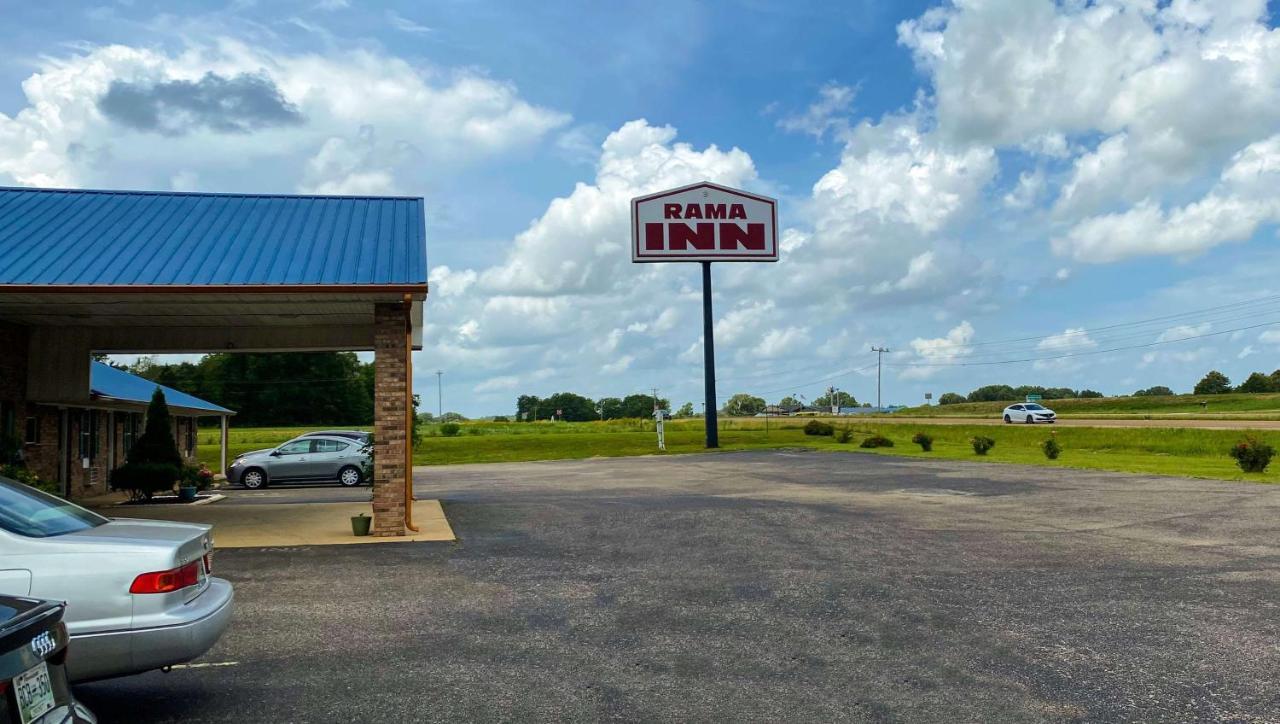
{"x":771,"y":585}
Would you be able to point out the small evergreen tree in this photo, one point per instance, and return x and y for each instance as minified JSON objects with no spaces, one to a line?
{"x":154,"y":464}
{"x":156,"y":445}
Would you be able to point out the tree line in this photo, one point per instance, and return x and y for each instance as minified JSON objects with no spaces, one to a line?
{"x":277,"y":388}
{"x":1216,"y":383}
{"x":1213,"y":383}
{"x":572,"y":407}
{"x":1004,"y":393}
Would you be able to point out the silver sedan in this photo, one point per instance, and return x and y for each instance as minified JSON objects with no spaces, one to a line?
{"x":312,"y":458}
{"x":138,"y":592}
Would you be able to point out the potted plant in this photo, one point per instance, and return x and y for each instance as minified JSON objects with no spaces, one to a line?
{"x":360,"y":524}
{"x":189,"y":484}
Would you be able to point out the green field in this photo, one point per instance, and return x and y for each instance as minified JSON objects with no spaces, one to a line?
{"x":1261,"y":406}
{"x":1188,"y":452}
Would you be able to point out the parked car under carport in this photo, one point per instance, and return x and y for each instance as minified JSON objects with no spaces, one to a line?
{"x":310,"y":458}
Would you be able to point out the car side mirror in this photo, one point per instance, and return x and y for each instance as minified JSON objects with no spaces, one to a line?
{"x":275,"y":453}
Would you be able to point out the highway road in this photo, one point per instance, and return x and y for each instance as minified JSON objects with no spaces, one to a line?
{"x":1211,"y":424}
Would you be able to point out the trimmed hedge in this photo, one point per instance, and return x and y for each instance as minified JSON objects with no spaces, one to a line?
{"x":143,"y":480}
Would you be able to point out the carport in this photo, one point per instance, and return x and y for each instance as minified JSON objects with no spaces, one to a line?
{"x":150,"y":272}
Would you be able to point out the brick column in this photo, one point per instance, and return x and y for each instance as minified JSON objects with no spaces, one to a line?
{"x":390,"y":393}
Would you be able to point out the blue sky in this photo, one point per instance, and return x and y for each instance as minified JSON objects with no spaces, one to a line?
{"x":951,"y":175}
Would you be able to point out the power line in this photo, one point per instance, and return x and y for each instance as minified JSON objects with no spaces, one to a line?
{"x":1135,"y":323}
{"x":1086,"y":353}
{"x":1083,"y":342}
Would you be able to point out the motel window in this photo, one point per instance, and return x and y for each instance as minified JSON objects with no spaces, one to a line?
{"x":33,"y":431}
{"x":89,"y":434}
{"x":8,"y":420}
{"x":130,"y":431}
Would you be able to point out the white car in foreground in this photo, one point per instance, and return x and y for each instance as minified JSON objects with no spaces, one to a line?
{"x":1028,"y":412}
{"x":138,"y":592}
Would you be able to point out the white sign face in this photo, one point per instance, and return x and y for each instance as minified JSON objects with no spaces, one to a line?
{"x":704,"y":222}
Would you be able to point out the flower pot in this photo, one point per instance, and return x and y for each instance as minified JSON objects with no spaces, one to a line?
{"x":360,"y":524}
{"x":187,"y":493}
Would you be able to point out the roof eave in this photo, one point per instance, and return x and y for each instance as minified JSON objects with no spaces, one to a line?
{"x":415,"y":289}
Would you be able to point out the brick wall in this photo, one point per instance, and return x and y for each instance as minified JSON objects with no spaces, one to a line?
{"x":13,"y":372}
{"x":42,"y":457}
{"x":390,"y":390}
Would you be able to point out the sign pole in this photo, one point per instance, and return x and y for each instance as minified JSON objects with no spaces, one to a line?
{"x":709,"y":359}
{"x":704,"y":222}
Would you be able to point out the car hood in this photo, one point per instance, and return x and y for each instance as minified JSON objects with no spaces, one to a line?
{"x":1041,"y":412}
{"x":254,"y":453}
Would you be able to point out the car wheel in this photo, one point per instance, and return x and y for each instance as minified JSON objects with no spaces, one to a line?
{"x":1007,"y":420}
{"x":253,"y":479}
{"x":350,"y":476}
{"x":1030,"y":420}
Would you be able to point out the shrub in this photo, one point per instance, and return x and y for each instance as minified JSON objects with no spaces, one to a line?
{"x":1252,"y":455}
{"x":143,"y":480}
{"x":981,"y":444}
{"x":501,"y":418}
{"x":924,"y":440}
{"x":1051,"y":448}
{"x":450,"y":429}
{"x":818,"y":427}
{"x":10,"y":450}
{"x":877,"y":440}
{"x":366,"y":468}
{"x":845,"y":436}
{"x":25,"y":476}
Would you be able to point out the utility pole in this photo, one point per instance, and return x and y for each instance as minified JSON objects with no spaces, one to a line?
{"x":655,"y":399}
{"x":879,"y":353}
{"x":439,"y":394}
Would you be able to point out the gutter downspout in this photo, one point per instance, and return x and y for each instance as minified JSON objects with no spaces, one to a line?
{"x":408,"y":413}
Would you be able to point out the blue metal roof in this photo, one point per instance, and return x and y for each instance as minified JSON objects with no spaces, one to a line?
{"x":107,"y":381}
{"x":112,"y":238}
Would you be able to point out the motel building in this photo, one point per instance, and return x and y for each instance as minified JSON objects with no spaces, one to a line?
{"x":79,"y":445}
{"x":127,"y":272}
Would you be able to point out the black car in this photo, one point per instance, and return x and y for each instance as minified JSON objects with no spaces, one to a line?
{"x":33,"y":655}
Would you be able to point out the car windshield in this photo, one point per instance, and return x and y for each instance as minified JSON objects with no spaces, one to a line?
{"x":36,"y":514}
{"x":1034,"y":407}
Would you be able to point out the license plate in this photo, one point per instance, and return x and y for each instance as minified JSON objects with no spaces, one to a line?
{"x":34,"y":690}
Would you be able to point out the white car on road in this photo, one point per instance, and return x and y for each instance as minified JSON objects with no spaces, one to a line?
{"x":1028,"y":412}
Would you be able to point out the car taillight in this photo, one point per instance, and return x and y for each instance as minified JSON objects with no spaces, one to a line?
{"x":174,"y":579}
{"x":208,"y":563}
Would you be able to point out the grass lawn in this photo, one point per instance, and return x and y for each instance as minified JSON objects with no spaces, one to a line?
{"x":1187,"y":452}
{"x":1262,"y":406}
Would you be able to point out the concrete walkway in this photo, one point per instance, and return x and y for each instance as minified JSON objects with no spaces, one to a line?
{"x":275,"y":525}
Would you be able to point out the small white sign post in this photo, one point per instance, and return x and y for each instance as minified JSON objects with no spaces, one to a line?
{"x":658,"y":418}
{"x":704,"y":222}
